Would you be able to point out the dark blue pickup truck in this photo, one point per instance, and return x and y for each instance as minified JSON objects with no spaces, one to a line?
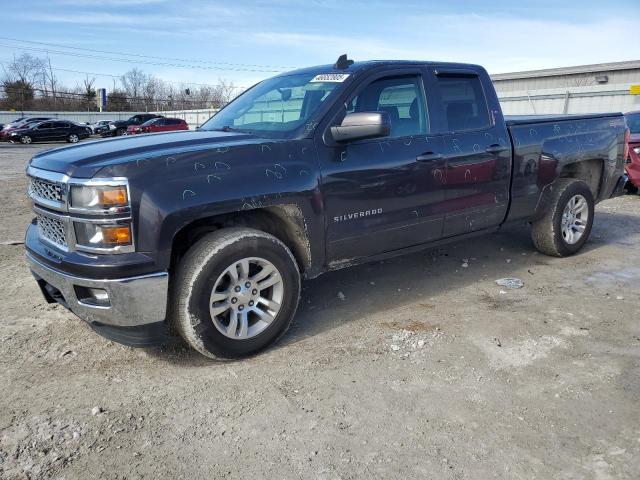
{"x":211,"y":231}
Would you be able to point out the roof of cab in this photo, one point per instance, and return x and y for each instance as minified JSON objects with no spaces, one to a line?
{"x":369,"y":64}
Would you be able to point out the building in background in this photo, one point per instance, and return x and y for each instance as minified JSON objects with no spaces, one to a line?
{"x":603,"y":87}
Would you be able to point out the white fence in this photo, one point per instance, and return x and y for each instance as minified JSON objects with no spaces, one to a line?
{"x":194,"y":118}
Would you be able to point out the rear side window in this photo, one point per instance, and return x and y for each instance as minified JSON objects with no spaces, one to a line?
{"x":464,"y":102}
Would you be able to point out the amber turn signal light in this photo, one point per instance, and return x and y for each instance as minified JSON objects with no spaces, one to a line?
{"x":113,"y":196}
{"x":120,"y":235}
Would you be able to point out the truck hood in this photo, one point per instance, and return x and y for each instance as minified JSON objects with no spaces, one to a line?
{"x":86,"y":159}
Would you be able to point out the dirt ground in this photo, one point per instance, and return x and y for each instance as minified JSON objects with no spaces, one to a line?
{"x":418,"y":367}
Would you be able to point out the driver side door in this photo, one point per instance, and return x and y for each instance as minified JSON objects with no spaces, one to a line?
{"x":44,"y":131}
{"x":385,"y":194}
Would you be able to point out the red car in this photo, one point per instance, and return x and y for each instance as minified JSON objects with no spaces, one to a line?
{"x":158,"y":125}
{"x":633,"y":163}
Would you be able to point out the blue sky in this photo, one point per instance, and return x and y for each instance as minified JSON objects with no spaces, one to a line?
{"x":501,"y":35}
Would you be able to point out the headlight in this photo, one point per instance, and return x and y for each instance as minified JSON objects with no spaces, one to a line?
{"x":99,"y":197}
{"x":637,"y":150}
{"x":102,"y":236}
{"x":13,"y":134}
{"x":112,"y":126}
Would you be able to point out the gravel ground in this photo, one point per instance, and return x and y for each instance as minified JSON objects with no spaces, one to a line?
{"x":418,"y":367}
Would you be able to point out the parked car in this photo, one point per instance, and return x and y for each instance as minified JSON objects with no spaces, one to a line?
{"x":49,"y":131}
{"x":23,"y":120}
{"x":158,"y":125}
{"x":633,"y":162}
{"x":5,"y":133}
{"x":100,"y":127}
{"x":357,"y":162}
{"x":119,"y":127}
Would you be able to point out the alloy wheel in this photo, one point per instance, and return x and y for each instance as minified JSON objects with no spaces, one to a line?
{"x":246,"y":297}
{"x":574,"y":219}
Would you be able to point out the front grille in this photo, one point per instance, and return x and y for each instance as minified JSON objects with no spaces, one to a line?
{"x":53,"y":230}
{"x":46,"y":190}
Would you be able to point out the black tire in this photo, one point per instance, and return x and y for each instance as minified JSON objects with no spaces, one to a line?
{"x":547,"y":232}
{"x":120,"y":132}
{"x":26,"y":140}
{"x":73,"y":138}
{"x":195,"y":278}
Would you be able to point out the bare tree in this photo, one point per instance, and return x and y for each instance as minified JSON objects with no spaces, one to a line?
{"x":26,"y":69}
{"x":134,"y":83}
{"x":226,"y":92}
{"x":29,"y":82}
{"x":88,"y":93}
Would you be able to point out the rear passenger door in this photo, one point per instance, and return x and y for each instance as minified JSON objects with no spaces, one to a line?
{"x":478,"y":151}
{"x":60,"y":130}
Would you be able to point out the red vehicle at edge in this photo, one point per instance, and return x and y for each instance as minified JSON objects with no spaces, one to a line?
{"x":158,"y":125}
{"x":633,"y":163}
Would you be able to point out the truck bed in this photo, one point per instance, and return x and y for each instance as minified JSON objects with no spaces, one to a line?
{"x":546,"y":145}
{"x":512,"y":120}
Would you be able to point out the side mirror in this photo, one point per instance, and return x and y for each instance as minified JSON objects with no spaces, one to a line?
{"x":361,"y":125}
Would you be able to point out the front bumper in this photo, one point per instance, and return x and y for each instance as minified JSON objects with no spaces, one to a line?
{"x":130,"y":302}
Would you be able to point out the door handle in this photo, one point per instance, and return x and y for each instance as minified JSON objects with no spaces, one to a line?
{"x":496,"y":148}
{"x":428,"y":157}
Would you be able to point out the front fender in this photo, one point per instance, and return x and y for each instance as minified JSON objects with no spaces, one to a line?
{"x":171,"y":191}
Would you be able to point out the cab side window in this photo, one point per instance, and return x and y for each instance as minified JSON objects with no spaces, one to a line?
{"x":401,"y":97}
{"x":464,"y":102}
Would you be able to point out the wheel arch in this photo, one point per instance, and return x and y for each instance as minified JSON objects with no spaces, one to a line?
{"x":285,"y":222}
{"x":590,"y":171}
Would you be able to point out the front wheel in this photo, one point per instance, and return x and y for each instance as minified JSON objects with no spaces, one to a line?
{"x":25,"y":139}
{"x":73,"y":138}
{"x":565,"y":227}
{"x":235,"y":292}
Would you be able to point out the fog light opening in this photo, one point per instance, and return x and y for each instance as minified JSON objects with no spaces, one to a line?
{"x":94,"y":297}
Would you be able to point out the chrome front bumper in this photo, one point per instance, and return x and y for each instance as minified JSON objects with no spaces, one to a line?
{"x":132,"y":301}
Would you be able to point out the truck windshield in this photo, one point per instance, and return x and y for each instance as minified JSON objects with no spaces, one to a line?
{"x":276,"y":107}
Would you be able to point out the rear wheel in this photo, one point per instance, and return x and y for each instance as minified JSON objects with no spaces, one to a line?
{"x":235,"y":293}
{"x":566,"y":225}
{"x":25,"y":139}
{"x":73,"y":138}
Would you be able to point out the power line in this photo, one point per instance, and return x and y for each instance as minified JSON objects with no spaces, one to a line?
{"x":146,"y":56}
{"x":168,"y":81}
{"x":128,"y":60}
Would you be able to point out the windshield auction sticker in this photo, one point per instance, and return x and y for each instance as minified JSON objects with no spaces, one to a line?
{"x":330,"y":77}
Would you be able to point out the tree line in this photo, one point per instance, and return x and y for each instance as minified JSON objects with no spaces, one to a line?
{"x":29,"y":83}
